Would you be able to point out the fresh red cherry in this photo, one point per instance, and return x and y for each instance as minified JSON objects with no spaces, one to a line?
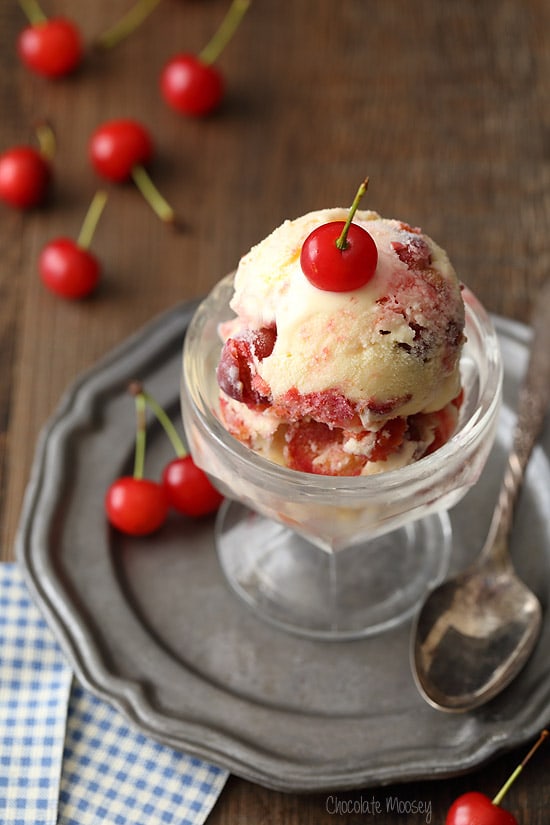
{"x":136,"y":506}
{"x":67,"y":267}
{"x":188,"y":488}
{"x":118,"y":151}
{"x":475,"y":808}
{"x":24,"y":177}
{"x":25,"y":172}
{"x":340,"y":256}
{"x":51,"y":47}
{"x":191,"y":84}
{"x":117,"y":146}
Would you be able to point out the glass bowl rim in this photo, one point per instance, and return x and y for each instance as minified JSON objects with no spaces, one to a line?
{"x":357,"y":487}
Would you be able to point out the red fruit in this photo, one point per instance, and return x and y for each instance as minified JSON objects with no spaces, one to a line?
{"x":118,"y":151}
{"x":338,"y":270}
{"x":388,"y":439}
{"x":67,"y":269}
{"x":415,"y":253}
{"x":51,"y":48}
{"x":190,"y":86}
{"x":117,"y":147}
{"x":24,"y":176}
{"x":340,"y":256}
{"x":475,"y":808}
{"x":313,"y":447}
{"x":188,"y":488}
{"x":136,"y":506}
{"x":236,"y":373}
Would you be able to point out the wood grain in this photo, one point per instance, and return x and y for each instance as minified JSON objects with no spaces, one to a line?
{"x":446,"y":106}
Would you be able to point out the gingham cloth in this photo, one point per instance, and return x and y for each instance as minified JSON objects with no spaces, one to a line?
{"x":68,"y":758}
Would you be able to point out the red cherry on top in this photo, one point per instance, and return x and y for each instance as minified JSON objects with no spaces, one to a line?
{"x":340,"y":256}
{"x":24,"y":177}
{"x":50,"y":47}
{"x":118,"y":146}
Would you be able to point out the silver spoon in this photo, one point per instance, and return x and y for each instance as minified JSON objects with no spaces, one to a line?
{"x":476,"y":631}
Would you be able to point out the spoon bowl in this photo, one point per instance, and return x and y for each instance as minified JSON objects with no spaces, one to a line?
{"x":487,"y":624}
{"x":476,"y":631}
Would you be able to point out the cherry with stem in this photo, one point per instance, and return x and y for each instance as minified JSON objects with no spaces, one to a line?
{"x":67,"y":267}
{"x":135,"y":505}
{"x":474,"y":808}
{"x":25,"y":171}
{"x":187,"y":487}
{"x":340,"y":256}
{"x":51,"y":47}
{"x":193,"y":84}
{"x":119,"y":150}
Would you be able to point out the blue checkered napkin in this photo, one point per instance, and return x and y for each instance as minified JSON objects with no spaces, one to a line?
{"x":68,"y":758}
{"x":35,"y":682}
{"x":114,"y":775}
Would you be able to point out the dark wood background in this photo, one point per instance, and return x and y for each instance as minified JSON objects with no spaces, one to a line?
{"x":445,"y":105}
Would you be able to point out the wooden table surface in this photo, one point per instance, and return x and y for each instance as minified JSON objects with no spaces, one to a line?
{"x":445,"y":105}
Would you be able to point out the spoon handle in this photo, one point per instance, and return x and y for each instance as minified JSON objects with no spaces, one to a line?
{"x":533,"y":402}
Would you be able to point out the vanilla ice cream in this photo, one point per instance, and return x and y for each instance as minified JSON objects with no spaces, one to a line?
{"x":343,"y":383}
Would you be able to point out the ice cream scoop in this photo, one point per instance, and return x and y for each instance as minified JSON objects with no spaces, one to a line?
{"x":343,"y":383}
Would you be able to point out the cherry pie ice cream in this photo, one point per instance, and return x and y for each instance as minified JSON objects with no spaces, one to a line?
{"x":343,"y":383}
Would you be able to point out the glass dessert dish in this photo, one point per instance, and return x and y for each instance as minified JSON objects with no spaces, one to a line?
{"x":336,"y":557}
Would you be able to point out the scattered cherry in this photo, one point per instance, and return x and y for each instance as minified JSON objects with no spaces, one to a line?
{"x":51,"y":47}
{"x":25,"y":172}
{"x":187,"y":487}
{"x":67,"y":267}
{"x":340,"y":256}
{"x":136,"y":505}
{"x":192,"y":84}
{"x":475,"y":808}
{"x":118,"y":151}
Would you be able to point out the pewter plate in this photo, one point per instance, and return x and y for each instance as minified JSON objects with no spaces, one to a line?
{"x":150,"y":625}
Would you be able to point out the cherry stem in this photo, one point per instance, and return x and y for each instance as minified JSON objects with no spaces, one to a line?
{"x":91,"y":219}
{"x":127,"y":24}
{"x":152,"y":195}
{"x":166,"y":423}
{"x":141,"y":436}
{"x":32,"y":11}
{"x":225,"y":32}
{"x":46,"y":140}
{"x":341,"y":242}
{"x":500,"y":795}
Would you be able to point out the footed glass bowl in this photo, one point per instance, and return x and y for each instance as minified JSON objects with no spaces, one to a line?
{"x":336,"y":557}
